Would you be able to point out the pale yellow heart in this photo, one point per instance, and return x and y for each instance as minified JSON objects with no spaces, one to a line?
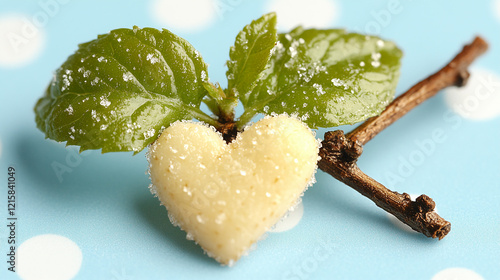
{"x":226,"y":196}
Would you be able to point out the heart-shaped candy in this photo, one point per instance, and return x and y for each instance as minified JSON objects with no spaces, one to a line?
{"x":226,"y":196}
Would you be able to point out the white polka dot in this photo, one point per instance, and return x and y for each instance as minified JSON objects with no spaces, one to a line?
{"x":20,"y":40}
{"x":479,"y":98}
{"x":290,"y":220}
{"x":402,"y":225}
{"x":457,"y":273}
{"x":185,"y":15}
{"x":309,"y":14}
{"x":496,"y":8}
{"x":48,"y":256}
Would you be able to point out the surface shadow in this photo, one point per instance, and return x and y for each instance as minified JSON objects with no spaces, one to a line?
{"x":91,"y":179}
{"x":52,"y":163}
{"x":330,"y":195}
{"x":156,"y":217}
{"x":35,"y":155}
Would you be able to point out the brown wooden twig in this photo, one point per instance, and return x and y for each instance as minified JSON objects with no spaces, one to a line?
{"x":340,"y":152}
{"x":453,"y":74}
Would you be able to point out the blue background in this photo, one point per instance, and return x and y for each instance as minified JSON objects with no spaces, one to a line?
{"x":105,"y":207}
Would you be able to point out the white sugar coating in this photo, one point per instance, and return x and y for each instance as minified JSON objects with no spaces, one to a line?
{"x":104,"y":102}
{"x":152,"y":189}
{"x":127,"y":76}
{"x":226,"y":196}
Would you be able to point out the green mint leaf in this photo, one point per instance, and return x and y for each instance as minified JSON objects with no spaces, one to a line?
{"x":249,"y":55}
{"x":117,"y":92}
{"x":327,"y":77}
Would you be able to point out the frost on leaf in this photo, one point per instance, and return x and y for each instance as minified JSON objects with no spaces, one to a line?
{"x":119,"y":90}
{"x":327,"y":77}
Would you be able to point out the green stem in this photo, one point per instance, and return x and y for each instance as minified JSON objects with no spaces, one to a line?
{"x":245,"y":118}
{"x":226,"y":108}
{"x":202,"y":116}
{"x":250,"y":112}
